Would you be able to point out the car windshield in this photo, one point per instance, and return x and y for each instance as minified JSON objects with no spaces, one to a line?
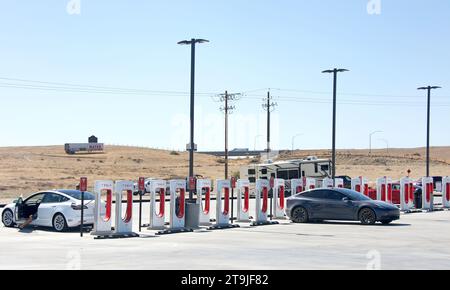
{"x":354,"y":195}
{"x":77,"y":194}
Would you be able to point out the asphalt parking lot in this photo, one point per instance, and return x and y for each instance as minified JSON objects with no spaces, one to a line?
{"x":417,"y":241}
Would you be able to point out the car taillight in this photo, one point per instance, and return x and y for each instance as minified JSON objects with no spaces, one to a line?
{"x":77,"y":206}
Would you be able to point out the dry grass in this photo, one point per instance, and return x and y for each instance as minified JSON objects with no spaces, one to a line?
{"x":28,"y":169}
{"x":24,"y":170}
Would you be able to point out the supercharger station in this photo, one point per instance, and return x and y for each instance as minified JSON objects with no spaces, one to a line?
{"x":328,"y":183}
{"x":446,"y":192}
{"x":297,"y":186}
{"x":361,"y":185}
{"x":204,"y":201}
{"x":103,"y":212}
{"x":157,"y":209}
{"x":427,"y":193}
{"x":384,"y":189}
{"x":278,"y":200}
{"x":124,"y":223}
{"x":310,"y":183}
{"x":262,"y":203}
{"x":223,"y":211}
{"x":406,"y":194}
{"x":302,"y":184}
{"x":243,"y":200}
{"x":177,"y":208}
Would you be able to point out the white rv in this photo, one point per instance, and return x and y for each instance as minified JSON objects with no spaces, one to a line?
{"x":289,"y":169}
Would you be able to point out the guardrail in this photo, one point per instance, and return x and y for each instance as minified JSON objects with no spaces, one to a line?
{"x":234,"y":153}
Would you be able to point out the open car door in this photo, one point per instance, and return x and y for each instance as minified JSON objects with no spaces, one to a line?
{"x":18,"y":211}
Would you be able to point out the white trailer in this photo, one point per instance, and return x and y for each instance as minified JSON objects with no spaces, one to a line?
{"x":72,"y":148}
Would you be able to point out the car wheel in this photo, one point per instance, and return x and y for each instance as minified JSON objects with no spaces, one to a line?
{"x":386,"y":222}
{"x":367,"y":216}
{"x":8,"y":218}
{"x":300,"y":215}
{"x":59,"y":223}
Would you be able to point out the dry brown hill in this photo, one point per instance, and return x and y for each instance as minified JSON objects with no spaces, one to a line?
{"x":29,"y":169}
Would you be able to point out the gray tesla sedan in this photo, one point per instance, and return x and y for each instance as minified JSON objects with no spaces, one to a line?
{"x":339,"y":204}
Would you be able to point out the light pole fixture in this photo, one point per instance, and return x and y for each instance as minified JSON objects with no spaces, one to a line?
{"x":370,"y":140}
{"x":429,"y":88}
{"x":191,"y":146}
{"x":334,"y":71}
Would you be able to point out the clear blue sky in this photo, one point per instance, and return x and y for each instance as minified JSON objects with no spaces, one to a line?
{"x":283,"y":45}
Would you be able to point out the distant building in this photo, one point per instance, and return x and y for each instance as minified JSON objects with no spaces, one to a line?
{"x":91,"y":147}
{"x":92,"y":139}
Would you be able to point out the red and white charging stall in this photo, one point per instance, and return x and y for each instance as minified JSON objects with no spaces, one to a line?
{"x":177,"y":204}
{"x":328,"y":183}
{"x":262,"y":203}
{"x":278,"y":200}
{"x":361,"y":185}
{"x":310,"y":183}
{"x":339,"y":182}
{"x":124,"y":216}
{"x":157,"y":208}
{"x":446,"y":192}
{"x":406,"y":194}
{"x":427,"y":193}
{"x":223,"y":211}
{"x":204,"y":200}
{"x":297,"y":186}
{"x":262,"y":200}
{"x":243,"y":200}
{"x":384,"y":189}
{"x":103,"y":212}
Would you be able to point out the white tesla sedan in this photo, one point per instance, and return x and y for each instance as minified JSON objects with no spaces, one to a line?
{"x":59,"y":209}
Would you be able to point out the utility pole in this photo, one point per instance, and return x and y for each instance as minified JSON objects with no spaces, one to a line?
{"x":333,"y":167}
{"x":429,"y":88}
{"x":269,"y":106}
{"x":227,"y":109}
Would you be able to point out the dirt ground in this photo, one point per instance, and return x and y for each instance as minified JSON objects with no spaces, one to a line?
{"x":24,"y":170}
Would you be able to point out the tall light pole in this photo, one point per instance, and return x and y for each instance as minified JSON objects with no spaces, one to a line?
{"x":256,"y":139}
{"x":191,"y":145}
{"x":293,"y":140}
{"x":370,"y":140}
{"x":429,"y":88}
{"x":334,"y":71}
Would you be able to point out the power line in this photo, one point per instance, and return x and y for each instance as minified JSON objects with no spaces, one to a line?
{"x":16,"y":83}
{"x":350,"y":94}
{"x":87,"y":87}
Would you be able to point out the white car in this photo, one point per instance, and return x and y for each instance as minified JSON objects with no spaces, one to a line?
{"x":59,"y":209}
